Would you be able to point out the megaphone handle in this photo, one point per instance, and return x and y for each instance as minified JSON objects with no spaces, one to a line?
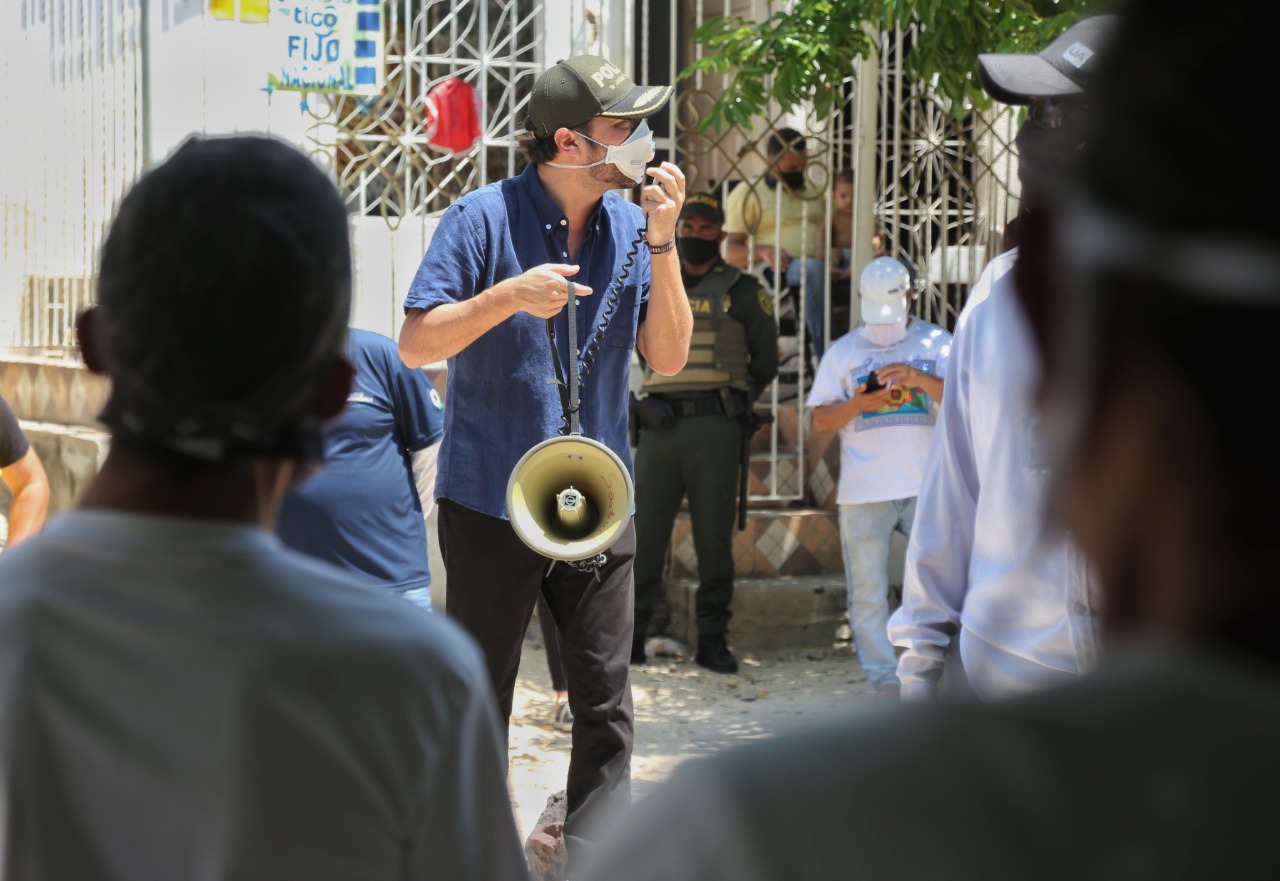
{"x":572,"y":316}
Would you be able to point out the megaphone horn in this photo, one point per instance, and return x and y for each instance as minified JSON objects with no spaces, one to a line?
{"x":569,"y":498}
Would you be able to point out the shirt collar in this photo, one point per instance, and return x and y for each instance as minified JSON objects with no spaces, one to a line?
{"x":550,"y":216}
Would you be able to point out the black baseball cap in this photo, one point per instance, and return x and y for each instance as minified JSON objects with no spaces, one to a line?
{"x":1063,"y":69}
{"x":587,"y":86}
{"x":703,"y":205}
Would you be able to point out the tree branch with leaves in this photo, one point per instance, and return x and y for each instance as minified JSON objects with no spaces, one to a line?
{"x":804,"y":50}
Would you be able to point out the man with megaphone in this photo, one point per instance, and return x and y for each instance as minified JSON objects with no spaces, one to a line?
{"x":534,"y":469}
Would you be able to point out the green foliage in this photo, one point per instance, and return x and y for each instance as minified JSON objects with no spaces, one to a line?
{"x":802,"y":52}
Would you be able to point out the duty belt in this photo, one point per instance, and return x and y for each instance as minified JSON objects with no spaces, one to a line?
{"x":685,"y":407}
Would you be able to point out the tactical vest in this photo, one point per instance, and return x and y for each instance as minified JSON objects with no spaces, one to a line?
{"x":718,"y":353}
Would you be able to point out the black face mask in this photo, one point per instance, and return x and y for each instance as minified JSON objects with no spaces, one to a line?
{"x":696,"y":251}
{"x":793,"y":179}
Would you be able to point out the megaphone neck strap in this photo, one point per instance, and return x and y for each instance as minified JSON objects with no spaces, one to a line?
{"x":568,"y":390}
{"x":577,"y":369}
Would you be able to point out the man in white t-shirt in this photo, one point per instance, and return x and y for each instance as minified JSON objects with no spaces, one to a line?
{"x":880,"y":385}
{"x":180,"y":695}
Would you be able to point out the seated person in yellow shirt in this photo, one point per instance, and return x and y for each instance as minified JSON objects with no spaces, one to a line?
{"x":771,"y":221}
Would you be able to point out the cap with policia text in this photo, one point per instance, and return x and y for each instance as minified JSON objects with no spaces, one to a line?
{"x":1062,"y":69}
{"x":703,"y":205}
{"x":587,"y":86}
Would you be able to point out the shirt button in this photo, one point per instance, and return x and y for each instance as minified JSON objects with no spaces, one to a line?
{"x":563,"y":221}
{"x":1079,"y":608}
{"x":548,"y":226}
{"x":565,"y":254}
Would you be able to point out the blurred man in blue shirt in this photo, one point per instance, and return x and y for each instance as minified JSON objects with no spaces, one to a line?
{"x":362,"y":512}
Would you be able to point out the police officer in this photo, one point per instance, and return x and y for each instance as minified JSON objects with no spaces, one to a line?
{"x":691,"y":428}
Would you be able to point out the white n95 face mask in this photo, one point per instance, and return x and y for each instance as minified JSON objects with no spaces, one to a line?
{"x":631,"y":157}
{"x":885,"y":335}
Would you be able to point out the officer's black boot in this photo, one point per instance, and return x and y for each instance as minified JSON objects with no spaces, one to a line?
{"x":714,"y":654}
{"x":637,"y":641}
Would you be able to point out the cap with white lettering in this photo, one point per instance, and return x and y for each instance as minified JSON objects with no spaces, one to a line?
{"x":586,"y":86}
{"x":1064,"y":68}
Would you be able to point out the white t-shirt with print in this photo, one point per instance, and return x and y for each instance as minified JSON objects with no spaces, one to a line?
{"x":882,"y":453}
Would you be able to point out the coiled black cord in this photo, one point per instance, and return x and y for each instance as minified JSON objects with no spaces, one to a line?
{"x":606,"y":315}
{"x":611,"y":305}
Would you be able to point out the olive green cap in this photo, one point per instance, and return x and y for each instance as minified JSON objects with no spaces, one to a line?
{"x":584,"y":87}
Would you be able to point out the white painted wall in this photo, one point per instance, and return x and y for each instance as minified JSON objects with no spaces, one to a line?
{"x":385,"y":263}
{"x":207,"y":76}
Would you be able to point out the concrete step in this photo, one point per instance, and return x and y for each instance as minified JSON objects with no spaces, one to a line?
{"x":53,"y":391}
{"x":789,"y":582}
{"x":786,"y":612}
{"x":71,"y":456}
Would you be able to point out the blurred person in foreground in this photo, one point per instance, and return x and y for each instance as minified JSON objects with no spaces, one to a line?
{"x":24,"y":476}
{"x":180,"y":695}
{"x":1159,"y":764}
{"x":993,"y":604}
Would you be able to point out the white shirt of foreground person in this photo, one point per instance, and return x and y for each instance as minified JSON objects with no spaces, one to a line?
{"x":1146,"y":769}
{"x":187,"y":699}
{"x":983,"y":575}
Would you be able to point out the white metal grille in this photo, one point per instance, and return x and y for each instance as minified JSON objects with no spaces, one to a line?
{"x":937,"y":188}
{"x":381,"y":149}
{"x":75,"y":67}
{"x":942,"y":185}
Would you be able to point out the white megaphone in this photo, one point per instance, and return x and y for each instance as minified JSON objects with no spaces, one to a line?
{"x":569,"y":498}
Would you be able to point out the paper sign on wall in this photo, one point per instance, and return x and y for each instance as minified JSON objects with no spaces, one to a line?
{"x":328,"y":46}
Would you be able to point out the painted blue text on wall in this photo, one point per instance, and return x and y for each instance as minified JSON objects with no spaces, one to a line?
{"x":329,"y":46}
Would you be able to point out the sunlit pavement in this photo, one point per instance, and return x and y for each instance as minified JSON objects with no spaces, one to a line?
{"x":682,"y":711}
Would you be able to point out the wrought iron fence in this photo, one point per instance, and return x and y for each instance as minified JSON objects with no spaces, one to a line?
{"x":937,"y":188}
{"x":75,"y":146}
{"x":936,"y":191}
{"x":389,"y":154}
{"x":943,"y":185}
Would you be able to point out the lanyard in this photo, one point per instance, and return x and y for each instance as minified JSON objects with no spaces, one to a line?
{"x":568,"y":391}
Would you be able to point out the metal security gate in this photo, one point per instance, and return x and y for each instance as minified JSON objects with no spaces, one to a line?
{"x":386,"y":151}
{"x":75,"y":144}
{"x":929,"y":188}
{"x":943,"y":184}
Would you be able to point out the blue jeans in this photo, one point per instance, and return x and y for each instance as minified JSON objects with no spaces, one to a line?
{"x":865,"y":534}
{"x":814,"y":273}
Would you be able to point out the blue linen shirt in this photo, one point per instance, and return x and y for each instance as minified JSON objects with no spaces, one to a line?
{"x":501,"y":394}
{"x":361,"y":513}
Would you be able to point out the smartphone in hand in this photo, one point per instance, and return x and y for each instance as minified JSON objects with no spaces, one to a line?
{"x":873,"y":382}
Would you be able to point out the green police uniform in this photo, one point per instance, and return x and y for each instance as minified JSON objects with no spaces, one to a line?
{"x":732,"y":357}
